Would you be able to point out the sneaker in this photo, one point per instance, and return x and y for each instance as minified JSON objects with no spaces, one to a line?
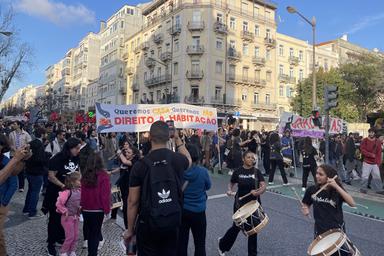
{"x":72,"y":254}
{"x":25,"y":213}
{"x":85,"y":244}
{"x":59,"y":244}
{"x":101,"y":244}
{"x":271,"y":183}
{"x":51,"y":251}
{"x":37,"y":216}
{"x":230,"y":173}
{"x":63,"y":254}
{"x":287,"y":184}
{"x":221,"y":253}
{"x":21,"y":190}
{"x":291,"y":175}
{"x":303,"y":189}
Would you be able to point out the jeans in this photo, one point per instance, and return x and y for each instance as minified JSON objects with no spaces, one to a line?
{"x":349,"y":167}
{"x":92,"y":223}
{"x":71,"y":229}
{"x":374,"y":170}
{"x":277,"y":163}
{"x":197,"y":223}
{"x":152,"y":243}
{"x":340,"y":168}
{"x":34,"y":187}
{"x":227,"y":241}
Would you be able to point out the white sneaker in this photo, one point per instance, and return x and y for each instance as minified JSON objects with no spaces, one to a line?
{"x":85,"y":244}
{"x":271,"y":183}
{"x":287,"y":184}
{"x":63,"y":254}
{"x":218,"y":247}
{"x":303,"y":189}
{"x":230,"y":173}
{"x":101,"y":244}
{"x":72,"y":254}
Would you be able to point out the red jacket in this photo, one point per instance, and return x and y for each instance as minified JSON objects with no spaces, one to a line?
{"x":98,"y":197}
{"x":371,"y":150}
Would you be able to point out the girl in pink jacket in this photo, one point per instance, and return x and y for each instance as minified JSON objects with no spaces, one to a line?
{"x":68,"y":205}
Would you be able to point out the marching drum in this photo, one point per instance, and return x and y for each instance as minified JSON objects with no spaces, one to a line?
{"x":250,"y":218}
{"x":333,"y":241}
{"x":116,"y":199}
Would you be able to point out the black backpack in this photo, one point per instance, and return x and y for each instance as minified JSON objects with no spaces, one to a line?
{"x":161,"y":197}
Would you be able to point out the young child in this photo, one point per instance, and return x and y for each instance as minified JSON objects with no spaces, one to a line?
{"x":68,"y":204}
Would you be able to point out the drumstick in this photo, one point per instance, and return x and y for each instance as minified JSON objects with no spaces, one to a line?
{"x":244,"y":196}
{"x":323,"y":187}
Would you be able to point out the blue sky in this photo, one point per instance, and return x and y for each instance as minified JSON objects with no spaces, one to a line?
{"x":52,"y":27}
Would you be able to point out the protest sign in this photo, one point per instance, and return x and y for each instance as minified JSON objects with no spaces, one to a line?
{"x":138,"y":118}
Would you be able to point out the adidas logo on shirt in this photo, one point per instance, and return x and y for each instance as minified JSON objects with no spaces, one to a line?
{"x":164,"y":195}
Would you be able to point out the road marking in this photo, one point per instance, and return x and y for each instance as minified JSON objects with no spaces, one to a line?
{"x":351,"y":213}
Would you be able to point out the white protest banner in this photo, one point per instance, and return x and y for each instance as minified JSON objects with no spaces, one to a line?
{"x":138,"y":118}
{"x":303,"y":127}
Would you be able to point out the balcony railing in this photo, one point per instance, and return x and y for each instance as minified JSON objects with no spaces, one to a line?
{"x":196,"y":25}
{"x":234,"y":55}
{"x":217,"y":100}
{"x":195,"y":49}
{"x":220,"y":27}
{"x":158,"y":80}
{"x":145,"y":46}
{"x":194,"y":74}
{"x":293,"y":60}
{"x":175,"y":30}
{"x":260,"y":82}
{"x":150,"y":63}
{"x":123,"y":90}
{"x":258,"y":61}
{"x":166,"y":56}
{"x":287,"y":79}
{"x":170,"y":99}
{"x":158,"y":39}
{"x":194,"y":100}
{"x":264,"y":106}
{"x":247,"y":36}
{"x":270,"y":42}
{"x":246,"y":80}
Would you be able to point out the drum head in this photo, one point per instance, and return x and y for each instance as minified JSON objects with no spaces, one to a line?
{"x":246,"y":210}
{"x":325,"y":241}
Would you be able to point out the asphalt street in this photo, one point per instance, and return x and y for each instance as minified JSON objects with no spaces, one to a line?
{"x":288,"y":232}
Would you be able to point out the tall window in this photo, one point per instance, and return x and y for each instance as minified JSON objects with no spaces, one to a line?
{"x":219,"y":17}
{"x":177,"y":20}
{"x":291,"y":52}
{"x":269,"y":75}
{"x":291,"y":72}
{"x":177,"y":45}
{"x":244,"y":95}
{"x":289,"y":92}
{"x":245,"y":26}
{"x":281,"y":91}
{"x":217,"y":92}
{"x":219,"y":67}
{"x":245,"y":73}
{"x":175,"y":68}
{"x":232,"y":71}
{"x":257,"y":30}
{"x":245,"y":49}
{"x":196,"y":16}
{"x":301,"y":75}
{"x":196,"y":40}
{"x":268,"y":33}
{"x":232,"y":23}
{"x":267,"y":99}
{"x":255,"y":98}
{"x":257,"y":51}
{"x":195,"y":64}
{"x":219,"y":43}
{"x":268,"y":54}
{"x":301,"y":55}
{"x":281,"y":70}
{"x":257,"y":75}
{"x":281,"y":50}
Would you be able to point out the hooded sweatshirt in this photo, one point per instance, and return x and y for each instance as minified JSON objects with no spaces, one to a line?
{"x":97,"y":198}
{"x":195,"y":197}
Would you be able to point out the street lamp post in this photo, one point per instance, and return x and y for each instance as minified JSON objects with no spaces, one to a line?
{"x":293,"y":10}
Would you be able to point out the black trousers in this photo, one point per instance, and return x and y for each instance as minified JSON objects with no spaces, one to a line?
{"x":266,"y":162}
{"x":92,"y":224}
{"x":150,"y":243}
{"x":21,"y":178}
{"x":55,"y":230}
{"x":277,"y":163}
{"x":227,"y":241}
{"x":197,"y":223}
{"x":306,"y":171}
{"x":124,"y":196}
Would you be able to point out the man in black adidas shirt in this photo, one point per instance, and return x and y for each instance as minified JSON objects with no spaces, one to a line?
{"x":248,"y":180}
{"x":152,"y":196}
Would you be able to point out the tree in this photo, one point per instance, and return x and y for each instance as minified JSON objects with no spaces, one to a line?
{"x":302,"y":101}
{"x":366,"y":76}
{"x":14,"y":54}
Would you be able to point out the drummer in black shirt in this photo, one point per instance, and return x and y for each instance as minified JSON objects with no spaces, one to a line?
{"x":248,"y":180}
{"x":327,"y":205}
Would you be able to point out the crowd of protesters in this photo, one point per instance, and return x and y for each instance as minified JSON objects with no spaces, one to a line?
{"x":59,"y":153}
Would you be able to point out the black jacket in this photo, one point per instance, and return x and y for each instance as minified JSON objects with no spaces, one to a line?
{"x":37,"y":164}
{"x":84,"y":154}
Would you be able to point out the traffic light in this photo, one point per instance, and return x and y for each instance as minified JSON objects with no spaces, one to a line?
{"x":330,"y":97}
{"x":316,"y":118}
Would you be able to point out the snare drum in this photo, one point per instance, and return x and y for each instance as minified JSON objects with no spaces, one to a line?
{"x":330,"y":242}
{"x":250,"y":218}
{"x":116,"y":199}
